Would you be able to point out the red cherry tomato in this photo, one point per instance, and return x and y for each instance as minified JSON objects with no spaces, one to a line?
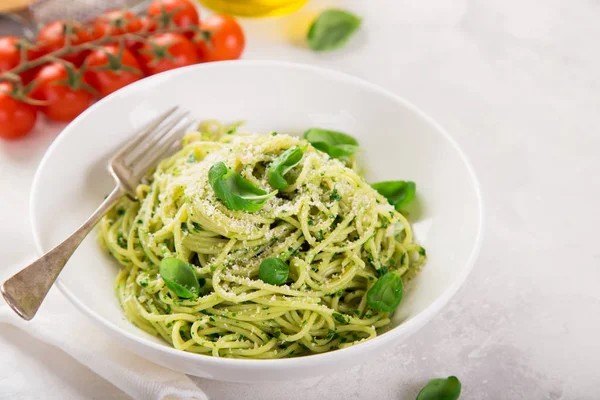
{"x":148,"y":24}
{"x":109,"y":69}
{"x":9,"y":53}
{"x":117,"y":22}
{"x":227,"y":39}
{"x":52,"y":37}
{"x":170,"y":13}
{"x":16,"y":118}
{"x":10,"y":56}
{"x":66,"y":98}
{"x":165,"y":51}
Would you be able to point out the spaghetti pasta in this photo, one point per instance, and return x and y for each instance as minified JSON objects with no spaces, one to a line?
{"x":337,"y":234}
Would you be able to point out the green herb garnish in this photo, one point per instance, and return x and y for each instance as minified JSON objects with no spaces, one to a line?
{"x":273,"y":271}
{"x":398,"y":193}
{"x":235,"y":191}
{"x":340,"y":318}
{"x":191,"y":159}
{"x":332,"y":29}
{"x":441,"y":389}
{"x":383,"y":270}
{"x":121,"y":241}
{"x":386,"y":293}
{"x":282,"y":165}
{"x":336,"y":144}
{"x":179,"y":277}
{"x":335,"y":195}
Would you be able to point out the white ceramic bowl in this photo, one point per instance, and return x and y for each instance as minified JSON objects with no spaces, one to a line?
{"x":399,"y":142}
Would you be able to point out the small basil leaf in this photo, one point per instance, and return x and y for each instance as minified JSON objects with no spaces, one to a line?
{"x":273,"y":271}
{"x":282,"y":165}
{"x":235,"y":191}
{"x":398,"y":193}
{"x":179,"y":277}
{"x":332,"y":29}
{"x":336,"y":144}
{"x":441,"y":389}
{"x":386,"y":293}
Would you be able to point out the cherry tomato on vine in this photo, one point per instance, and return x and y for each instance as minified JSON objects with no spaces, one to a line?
{"x":226,"y":37}
{"x":64,"y":90}
{"x":165,"y":51}
{"x":117,"y":22}
{"x":52,"y":37}
{"x":174,"y":13}
{"x":9,"y":53}
{"x":148,"y":24}
{"x":109,"y":68}
{"x":10,"y":56}
{"x":16,"y":117}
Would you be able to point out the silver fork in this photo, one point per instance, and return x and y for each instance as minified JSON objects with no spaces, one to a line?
{"x":25,"y":291}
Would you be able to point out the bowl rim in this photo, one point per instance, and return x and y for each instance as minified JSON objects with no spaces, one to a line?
{"x":410,"y":325}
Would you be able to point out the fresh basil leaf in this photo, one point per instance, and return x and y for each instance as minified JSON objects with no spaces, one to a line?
{"x":273,"y":271}
{"x":332,"y":29}
{"x":179,"y":277}
{"x":235,"y":191}
{"x":336,"y":144}
{"x":386,"y":293}
{"x":398,"y":193}
{"x":282,"y":165}
{"x":441,"y":389}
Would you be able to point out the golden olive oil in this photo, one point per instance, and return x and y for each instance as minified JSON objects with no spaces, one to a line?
{"x":254,"y":8}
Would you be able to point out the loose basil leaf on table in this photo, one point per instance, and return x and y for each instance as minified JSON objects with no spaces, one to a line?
{"x":282,"y":165}
{"x":441,"y":389}
{"x":332,"y":29}
{"x":236,"y":192}
{"x":398,"y":193}
{"x":274,"y":271}
{"x":386,"y":293}
{"x":336,"y":144}
{"x":179,"y":277}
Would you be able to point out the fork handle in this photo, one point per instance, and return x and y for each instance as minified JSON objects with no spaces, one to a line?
{"x":25,"y":291}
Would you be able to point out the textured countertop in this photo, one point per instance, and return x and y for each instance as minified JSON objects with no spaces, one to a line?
{"x":517,"y":84}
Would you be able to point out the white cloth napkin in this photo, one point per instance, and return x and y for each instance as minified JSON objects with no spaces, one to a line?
{"x":60,"y":324}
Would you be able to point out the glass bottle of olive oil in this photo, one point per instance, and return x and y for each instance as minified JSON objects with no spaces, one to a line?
{"x":254,"y":8}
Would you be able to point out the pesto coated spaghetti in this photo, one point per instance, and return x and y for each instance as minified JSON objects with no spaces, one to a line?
{"x":335,"y":233}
